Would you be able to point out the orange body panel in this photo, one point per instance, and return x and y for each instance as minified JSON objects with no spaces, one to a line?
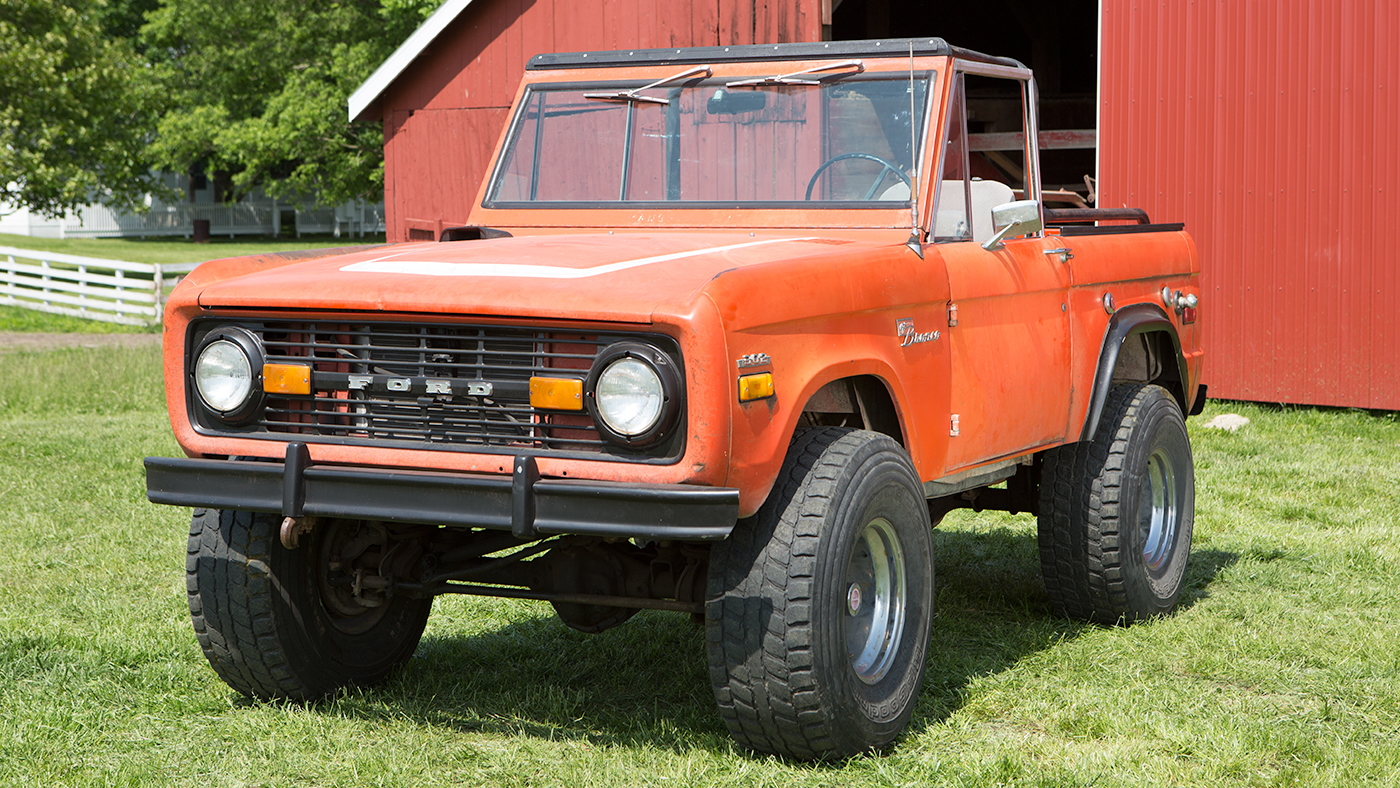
{"x":812,"y":295}
{"x":1011,"y":349}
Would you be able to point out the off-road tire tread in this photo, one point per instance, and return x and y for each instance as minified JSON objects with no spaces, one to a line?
{"x":1080,"y":522}
{"x":234,"y":625}
{"x":773,"y":704}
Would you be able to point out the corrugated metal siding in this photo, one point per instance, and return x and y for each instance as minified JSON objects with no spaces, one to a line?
{"x":1271,"y":130}
{"x":428,"y":184}
{"x":443,"y":116}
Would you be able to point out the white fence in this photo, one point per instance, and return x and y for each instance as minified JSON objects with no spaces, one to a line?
{"x":89,"y":287}
{"x":224,"y":218}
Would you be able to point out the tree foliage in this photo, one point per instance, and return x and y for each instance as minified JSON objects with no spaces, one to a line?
{"x":259,"y":88}
{"x":76,"y":107}
{"x":95,"y":93}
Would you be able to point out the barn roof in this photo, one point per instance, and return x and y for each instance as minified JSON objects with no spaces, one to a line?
{"x":388,"y":71}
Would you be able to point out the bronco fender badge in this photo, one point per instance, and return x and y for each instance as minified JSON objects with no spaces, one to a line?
{"x":904,"y":329}
{"x":754,"y":360}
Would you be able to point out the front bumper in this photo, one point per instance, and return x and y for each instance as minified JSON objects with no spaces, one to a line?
{"x":524,"y":504}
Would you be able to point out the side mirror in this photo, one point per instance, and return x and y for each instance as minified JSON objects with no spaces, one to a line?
{"x":1021,"y":217}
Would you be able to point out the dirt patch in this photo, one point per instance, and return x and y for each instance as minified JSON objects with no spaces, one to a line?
{"x":11,"y":342}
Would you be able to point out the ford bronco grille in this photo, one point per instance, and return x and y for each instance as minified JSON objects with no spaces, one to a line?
{"x":434,"y":385}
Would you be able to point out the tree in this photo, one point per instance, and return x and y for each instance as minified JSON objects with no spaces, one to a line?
{"x":258,"y":90}
{"x":76,"y":108}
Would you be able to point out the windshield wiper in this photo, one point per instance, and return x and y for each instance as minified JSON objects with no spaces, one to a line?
{"x":793,"y":78}
{"x":634,"y":95}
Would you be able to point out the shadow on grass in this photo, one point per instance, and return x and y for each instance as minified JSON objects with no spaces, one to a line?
{"x":993,"y":611}
{"x":646,"y":684}
{"x":1201,"y":572}
{"x":643,"y":683}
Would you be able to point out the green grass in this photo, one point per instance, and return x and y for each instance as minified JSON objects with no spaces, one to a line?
{"x":148,"y":250}
{"x":179,"y":250}
{"x":15,"y":318}
{"x":1282,"y":669}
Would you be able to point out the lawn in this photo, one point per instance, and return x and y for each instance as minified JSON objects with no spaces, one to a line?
{"x":179,"y":250}
{"x":146,"y":250}
{"x":1282,"y":669}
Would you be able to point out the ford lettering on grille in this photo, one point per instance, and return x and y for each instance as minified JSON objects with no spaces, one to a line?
{"x":464,"y":387}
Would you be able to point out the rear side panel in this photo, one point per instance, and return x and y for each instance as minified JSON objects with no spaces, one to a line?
{"x":1132,"y":268}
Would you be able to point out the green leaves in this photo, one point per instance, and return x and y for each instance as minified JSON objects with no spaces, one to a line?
{"x":259,"y":88}
{"x":96,"y":93}
{"x":75,"y":109}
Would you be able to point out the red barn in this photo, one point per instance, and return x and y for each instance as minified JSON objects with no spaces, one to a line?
{"x":1269,"y":128}
{"x":443,"y":96}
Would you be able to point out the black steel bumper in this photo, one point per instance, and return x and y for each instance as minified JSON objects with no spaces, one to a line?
{"x":524,"y":504}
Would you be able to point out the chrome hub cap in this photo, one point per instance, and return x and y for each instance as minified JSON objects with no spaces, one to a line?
{"x":853,"y":599}
{"x":1158,"y":514}
{"x":875,"y":600}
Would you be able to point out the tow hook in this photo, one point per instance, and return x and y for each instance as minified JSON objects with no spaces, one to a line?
{"x":293,"y":528}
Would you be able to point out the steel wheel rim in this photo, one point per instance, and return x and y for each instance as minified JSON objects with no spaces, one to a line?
{"x":876,"y":599}
{"x":1157,"y":511}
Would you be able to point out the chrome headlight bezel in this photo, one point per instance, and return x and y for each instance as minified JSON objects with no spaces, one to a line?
{"x":637,"y":356}
{"x":251,"y":401}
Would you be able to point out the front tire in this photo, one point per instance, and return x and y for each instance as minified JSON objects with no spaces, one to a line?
{"x":818,"y":608}
{"x":1116,"y":512}
{"x":271,"y":623}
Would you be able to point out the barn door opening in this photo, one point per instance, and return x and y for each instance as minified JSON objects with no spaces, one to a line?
{"x":1059,"y":41}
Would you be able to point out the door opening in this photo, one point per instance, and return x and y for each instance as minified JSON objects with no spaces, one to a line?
{"x":1059,"y":41}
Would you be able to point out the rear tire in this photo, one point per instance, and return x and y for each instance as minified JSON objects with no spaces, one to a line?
{"x":1116,"y":512}
{"x":818,"y":608}
{"x":271,"y":625}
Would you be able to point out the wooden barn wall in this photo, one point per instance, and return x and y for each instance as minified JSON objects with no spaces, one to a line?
{"x":444,"y":114}
{"x":1271,"y":129}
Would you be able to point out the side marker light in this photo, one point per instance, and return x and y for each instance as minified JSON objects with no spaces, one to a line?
{"x":286,"y":378}
{"x":752,"y":387}
{"x":556,"y":393}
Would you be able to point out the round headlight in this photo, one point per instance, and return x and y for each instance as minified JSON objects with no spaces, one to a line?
{"x":629,"y":396}
{"x":634,"y":394}
{"x":224,"y":376}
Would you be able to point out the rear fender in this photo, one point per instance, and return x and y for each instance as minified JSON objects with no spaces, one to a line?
{"x":1126,"y":323}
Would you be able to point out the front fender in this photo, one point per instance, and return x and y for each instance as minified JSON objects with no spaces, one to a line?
{"x":823,"y":317}
{"x":762,"y":429}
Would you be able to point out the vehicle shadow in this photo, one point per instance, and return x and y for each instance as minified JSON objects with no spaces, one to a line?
{"x":645,"y":683}
{"x":992,"y":610}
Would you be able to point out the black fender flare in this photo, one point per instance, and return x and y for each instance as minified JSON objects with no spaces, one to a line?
{"x":1127,"y":322}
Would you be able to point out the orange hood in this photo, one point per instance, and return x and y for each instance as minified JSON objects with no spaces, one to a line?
{"x":623,"y":277}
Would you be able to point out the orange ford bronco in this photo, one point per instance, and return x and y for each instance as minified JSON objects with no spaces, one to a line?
{"x":728,"y":331}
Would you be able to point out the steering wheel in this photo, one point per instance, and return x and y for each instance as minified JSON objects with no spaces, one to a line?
{"x":885,"y":166}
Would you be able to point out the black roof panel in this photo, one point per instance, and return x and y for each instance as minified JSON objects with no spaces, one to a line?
{"x":750,"y":52}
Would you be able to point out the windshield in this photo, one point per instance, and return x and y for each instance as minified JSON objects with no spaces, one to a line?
{"x":840,"y":140}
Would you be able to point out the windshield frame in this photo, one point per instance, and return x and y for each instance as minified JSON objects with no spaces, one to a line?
{"x":930,"y":71}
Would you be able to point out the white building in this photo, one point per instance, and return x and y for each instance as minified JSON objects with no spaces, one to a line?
{"x":256,"y":214}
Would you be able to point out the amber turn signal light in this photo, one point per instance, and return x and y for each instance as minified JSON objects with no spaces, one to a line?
{"x":286,"y":378}
{"x":753,"y":387}
{"x":556,"y":393}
